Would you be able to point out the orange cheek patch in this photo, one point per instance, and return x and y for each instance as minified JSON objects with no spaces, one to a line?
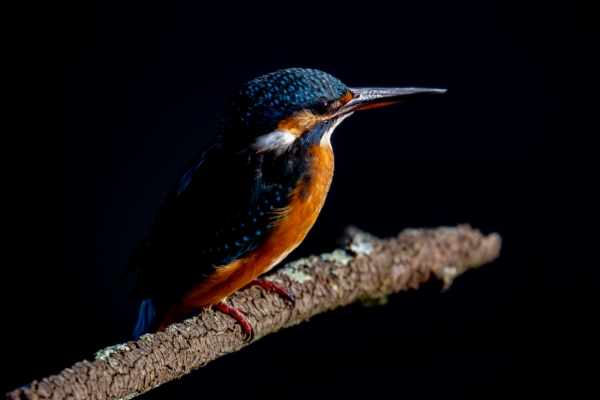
{"x":298,"y":123}
{"x":347,"y":97}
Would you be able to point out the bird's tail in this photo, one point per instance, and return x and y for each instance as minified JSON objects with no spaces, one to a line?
{"x":145,"y":319}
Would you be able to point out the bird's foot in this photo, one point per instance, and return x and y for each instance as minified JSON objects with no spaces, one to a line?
{"x":273,"y":287}
{"x":239,"y":316}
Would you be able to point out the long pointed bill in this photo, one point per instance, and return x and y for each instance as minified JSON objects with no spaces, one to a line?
{"x":365,"y":98}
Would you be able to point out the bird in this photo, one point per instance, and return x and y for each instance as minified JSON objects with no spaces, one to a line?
{"x":249,"y":197}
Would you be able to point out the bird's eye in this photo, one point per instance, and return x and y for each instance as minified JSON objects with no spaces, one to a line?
{"x":322,"y":107}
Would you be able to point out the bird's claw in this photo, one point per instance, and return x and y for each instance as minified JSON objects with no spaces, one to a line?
{"x":271,"y":286}
{"x":239,"y":316}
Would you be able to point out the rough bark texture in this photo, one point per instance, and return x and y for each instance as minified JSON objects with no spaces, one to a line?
{"x":368,"y":268}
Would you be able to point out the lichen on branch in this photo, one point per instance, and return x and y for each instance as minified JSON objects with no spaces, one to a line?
{"x":366,"y":268}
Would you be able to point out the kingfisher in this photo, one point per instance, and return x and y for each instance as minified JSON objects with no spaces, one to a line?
{"x":249,"y":197}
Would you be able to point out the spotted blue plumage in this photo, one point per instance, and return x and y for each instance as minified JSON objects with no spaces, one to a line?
{"x":244,"y":229}
{"x":258,"y":105}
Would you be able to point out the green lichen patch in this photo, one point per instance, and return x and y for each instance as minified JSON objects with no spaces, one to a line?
{"x":105,"y":353}
{"x":339,"y":257}
{"x":372,"y":302}
{"x":303,"y":262}
{"x":173,"y":328}
{"x":362,"y":243}
{"x":296,"y":275}
{"x":386,"y":282}
{"x":147,"y":336}
{"x":293,"y":270}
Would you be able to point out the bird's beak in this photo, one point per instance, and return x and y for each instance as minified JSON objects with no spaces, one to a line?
{"x":364,"y":98}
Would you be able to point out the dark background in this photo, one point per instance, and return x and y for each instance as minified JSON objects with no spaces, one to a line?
{"x":123,"y":96}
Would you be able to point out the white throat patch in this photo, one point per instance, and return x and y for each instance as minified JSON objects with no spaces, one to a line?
{"x":326,"y":138}
{"x":279,"y":140}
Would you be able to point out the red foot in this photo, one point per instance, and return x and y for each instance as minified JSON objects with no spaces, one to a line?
{"x":240,"y":317}
{"x":273,"y":287}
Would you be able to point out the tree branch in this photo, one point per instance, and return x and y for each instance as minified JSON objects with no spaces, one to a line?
{"x":368,"y":268}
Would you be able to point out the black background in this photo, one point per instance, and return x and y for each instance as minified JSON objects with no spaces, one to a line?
{"x":124,"y":95}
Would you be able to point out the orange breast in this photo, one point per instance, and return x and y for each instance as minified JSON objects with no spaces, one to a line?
{"x":287,"y":233}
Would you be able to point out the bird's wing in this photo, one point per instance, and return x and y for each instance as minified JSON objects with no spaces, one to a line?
{"x":220,"y":208}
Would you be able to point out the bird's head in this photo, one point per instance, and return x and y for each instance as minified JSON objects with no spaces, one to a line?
{"x":273,"y":111}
